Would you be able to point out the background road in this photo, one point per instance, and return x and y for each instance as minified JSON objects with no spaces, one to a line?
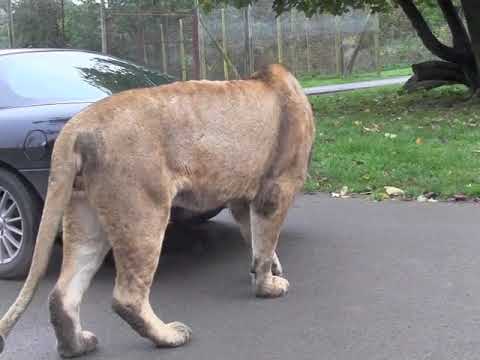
{"x":335,"y":88}
{"x":390,"y":280}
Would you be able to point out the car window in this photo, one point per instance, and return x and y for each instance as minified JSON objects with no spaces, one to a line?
{"x":48,"y":77}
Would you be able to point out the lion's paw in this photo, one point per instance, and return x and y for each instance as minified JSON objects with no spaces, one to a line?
{"x":87,"y":342}
{"x":180,"y":334}
{"x":275,"y":287}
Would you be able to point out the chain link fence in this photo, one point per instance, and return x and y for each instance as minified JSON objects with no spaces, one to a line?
{"x":225,"y":43}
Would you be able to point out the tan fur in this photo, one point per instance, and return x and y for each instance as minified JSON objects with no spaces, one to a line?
{"x":131,"y":157}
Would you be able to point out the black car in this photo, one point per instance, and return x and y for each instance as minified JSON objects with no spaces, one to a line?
{"x":40,"y":90}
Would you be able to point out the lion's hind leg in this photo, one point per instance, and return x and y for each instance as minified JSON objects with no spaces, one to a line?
{"x":268,"y":212}
{"x":241,"y":213}
{"x":84,"y":248}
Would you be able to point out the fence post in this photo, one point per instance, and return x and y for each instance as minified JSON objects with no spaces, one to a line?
{"x":11,"y":36}
{"x":293,"y":41}
{"x":307,"y":43}
{"x":249,"y":60}
{"x":182,"y":50}
{"x":221,"y":50}
{"x":279,"y":40}
{"x":164,"y":52}
{"x":339,"y":47}
{"x":195,"y":42}
{"x":376,"y":39}
{"x":201,"y":44}
{"x":224,"y":44}
{"x":103,"y":27}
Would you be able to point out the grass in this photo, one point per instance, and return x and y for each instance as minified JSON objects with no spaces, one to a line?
{"x":421,"y":142}
{"x":318,"y":80}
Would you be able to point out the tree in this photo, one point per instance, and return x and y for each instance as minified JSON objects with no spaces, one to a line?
{"x":38,"y":23}
{"x":459,"y":62}
{"x":82,"y":24}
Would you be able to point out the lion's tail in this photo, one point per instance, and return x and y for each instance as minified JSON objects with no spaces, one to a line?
{"x":62,"y":176}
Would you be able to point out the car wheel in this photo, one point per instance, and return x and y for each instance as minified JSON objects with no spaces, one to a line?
{"x":20,"y":212}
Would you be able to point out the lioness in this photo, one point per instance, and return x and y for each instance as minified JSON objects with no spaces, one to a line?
{"x":121,"y":164}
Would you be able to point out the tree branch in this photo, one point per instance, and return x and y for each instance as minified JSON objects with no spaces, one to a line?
{"x":426,"y":35}
{"x":460,"y":37}
{"x":472,"y":9}
{"x":439,"y":70}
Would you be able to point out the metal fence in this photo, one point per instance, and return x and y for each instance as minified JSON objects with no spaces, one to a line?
{"x":224,"y":43}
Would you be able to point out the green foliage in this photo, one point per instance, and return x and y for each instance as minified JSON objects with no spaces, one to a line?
{"x":312,"y":7}
{"x":82,"y":24}
{"x":37,"y":23}
{"x":148,"y":4}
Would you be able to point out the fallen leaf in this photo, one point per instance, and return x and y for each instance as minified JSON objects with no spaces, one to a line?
{"x":422,"y":198}
{"x":394,"y":191}
{"x":344,"y":192}
{"x":460,"y":197}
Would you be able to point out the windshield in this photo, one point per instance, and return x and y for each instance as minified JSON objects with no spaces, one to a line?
{"x":66,"y":76}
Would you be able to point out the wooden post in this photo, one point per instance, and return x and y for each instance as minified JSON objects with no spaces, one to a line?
{"x":203,"y":54}
{"x":182,"y":51}
{"x":279,"y":40}
{"x":195,"y":42}
{"x":249,"y":59}
{"x":224,"y":44}
{"x":221,"y":50}
{"x":338,"y":47}
{"x":144,"y":46}
{"x":307,"y":42}
{"x":62,"y":14}
{"x":11,"y":37}
{"x":164,"y":51}
{"x":201,"y":44}
{"x":103,"y":27}
{"x":293,"y":41}
{"x":376,"y":39}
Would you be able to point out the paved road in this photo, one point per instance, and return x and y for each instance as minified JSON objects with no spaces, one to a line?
{"x":370,"y":281}
{"x":328,"y":89}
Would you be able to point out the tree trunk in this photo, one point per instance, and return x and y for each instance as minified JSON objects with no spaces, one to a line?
{"x":472,"y":11}
{"x":461,"y":62}
{"x":360,"y":45}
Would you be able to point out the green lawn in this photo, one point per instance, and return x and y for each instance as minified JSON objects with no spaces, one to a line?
{"x":421,"y":142}
{"x":318,"y":80}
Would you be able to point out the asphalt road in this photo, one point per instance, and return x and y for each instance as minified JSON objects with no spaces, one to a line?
{"x":390,"y":280}
{"x":335,"y":88}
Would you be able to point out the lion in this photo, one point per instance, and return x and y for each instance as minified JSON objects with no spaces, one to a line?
{"x":120,"y":165}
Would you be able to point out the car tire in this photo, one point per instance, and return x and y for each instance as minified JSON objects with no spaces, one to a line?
{"x":189,"y":217}
{"x":26,"y":205}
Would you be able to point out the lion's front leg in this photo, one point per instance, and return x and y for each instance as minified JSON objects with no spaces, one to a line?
{"x":84,"y":248}
{"x":267,"y":215}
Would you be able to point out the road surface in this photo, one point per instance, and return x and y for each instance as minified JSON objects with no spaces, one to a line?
{"x":369,"y":281}
{"x":329,"y":89}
